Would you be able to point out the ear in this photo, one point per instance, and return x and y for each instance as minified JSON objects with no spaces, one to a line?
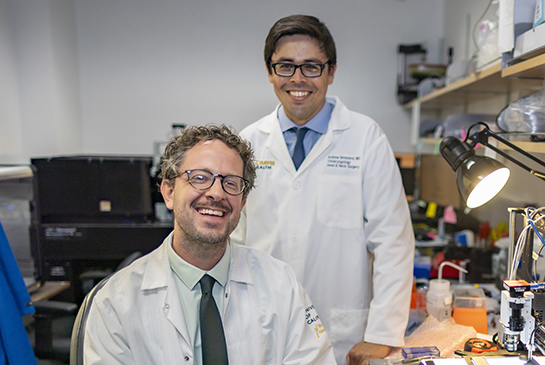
{"x":331,"y":73}
{"x":167,"y":191}
{"x":269,"y":72}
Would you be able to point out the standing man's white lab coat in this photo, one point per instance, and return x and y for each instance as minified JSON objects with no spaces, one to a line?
{"x":341,"y":221}
{"x":137,"y":318}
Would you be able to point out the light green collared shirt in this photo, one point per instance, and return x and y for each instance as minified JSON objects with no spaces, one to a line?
{"x":187,"y":277}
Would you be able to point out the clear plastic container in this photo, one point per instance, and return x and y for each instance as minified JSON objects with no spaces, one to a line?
{"x":457,"y":125}
{"x":470,"y":308}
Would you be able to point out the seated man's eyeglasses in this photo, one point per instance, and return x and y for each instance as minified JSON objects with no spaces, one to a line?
{"x":307,"y":69}
{"x":203,"y":179}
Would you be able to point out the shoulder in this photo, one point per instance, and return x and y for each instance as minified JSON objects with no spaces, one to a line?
{"x":353,"y":121}
{"x":258,"y":263}
{"x":251,"y":254}
{"x":127,"y":284}
{"x":262,"y":127}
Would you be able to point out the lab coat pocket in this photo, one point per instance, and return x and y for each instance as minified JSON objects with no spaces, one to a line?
{"x":347,"y":327}
{"x":340,"y":201}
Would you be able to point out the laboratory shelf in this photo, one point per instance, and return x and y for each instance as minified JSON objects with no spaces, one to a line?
{"x":430,"y":146}
{"x":485,"y":82}
{"x":479,"y":91}
{"x":533,"y":68}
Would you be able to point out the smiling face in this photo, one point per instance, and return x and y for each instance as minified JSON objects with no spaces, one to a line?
{"x":302,"y":97}
{"x":204,"y":219}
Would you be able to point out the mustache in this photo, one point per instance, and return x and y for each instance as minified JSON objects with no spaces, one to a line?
{"x":303,"y":87}
{"x":214,"y":205}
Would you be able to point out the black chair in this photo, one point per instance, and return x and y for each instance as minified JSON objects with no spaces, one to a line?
{"x":78,"y":333}
{"x":55,"y":322}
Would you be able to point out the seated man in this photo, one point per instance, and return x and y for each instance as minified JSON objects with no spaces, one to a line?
{"x":152,"y":312}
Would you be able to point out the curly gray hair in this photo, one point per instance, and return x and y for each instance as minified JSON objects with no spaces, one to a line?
{"x":177,"y":148}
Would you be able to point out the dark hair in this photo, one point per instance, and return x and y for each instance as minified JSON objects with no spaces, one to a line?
{"x":300,"y":24}
{"x":177,"y":148}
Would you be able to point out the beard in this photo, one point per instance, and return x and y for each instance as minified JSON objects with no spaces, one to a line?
{"x":203,"y":240}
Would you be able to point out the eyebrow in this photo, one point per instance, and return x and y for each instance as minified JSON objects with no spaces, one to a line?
{"x":291,"y":60}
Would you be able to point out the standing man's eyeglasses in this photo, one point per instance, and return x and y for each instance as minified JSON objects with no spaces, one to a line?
{"x":307,"y":69}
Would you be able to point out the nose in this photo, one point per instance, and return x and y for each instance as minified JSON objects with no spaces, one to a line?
{"x":298,"y":75}
{"x":216,"y":190}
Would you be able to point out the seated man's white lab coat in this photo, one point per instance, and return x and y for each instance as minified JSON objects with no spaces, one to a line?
{"x":137,"y":318}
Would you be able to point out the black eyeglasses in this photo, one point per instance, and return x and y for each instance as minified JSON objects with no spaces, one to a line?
{"x":203,"y":179}
{"x":307,"y":69}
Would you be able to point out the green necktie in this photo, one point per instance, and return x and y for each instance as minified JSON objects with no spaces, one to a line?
{"x":214,"y":350}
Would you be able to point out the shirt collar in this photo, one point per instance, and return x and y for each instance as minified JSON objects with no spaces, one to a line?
{"x":190,"y":275}
{"x":318,"y":123}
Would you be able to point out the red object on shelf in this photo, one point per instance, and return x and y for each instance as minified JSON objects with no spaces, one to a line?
{"x":448,"y":271}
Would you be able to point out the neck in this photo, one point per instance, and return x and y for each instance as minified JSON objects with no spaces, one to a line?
{"x":203,"y":255}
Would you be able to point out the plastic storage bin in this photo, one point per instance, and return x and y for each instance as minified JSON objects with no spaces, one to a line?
{"x":470,"y":308}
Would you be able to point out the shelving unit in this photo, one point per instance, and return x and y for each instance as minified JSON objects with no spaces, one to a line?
{"x":430,"y":146}
{"x":488,"y":81}
{"x":493,"y":83}
{"x":533,"y":68}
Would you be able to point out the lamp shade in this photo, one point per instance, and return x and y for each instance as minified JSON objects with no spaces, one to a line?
{"x":479,"y":178}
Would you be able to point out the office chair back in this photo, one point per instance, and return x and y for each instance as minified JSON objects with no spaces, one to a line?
{"x":78,"y":333}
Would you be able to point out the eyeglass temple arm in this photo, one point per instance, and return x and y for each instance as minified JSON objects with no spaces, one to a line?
{"x":482,"y":138}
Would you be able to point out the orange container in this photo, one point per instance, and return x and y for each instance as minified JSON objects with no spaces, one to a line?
{"x":472,"y":317}
{"x":470,"y":308}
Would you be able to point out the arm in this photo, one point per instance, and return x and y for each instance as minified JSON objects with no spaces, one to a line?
{"x":306,"y":341}
{"x":364,"y":351}
{"x":104,"y":341}
{"x":391,"y":240}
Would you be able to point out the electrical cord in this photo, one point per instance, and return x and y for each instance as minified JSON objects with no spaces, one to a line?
{"x":531,"y":214}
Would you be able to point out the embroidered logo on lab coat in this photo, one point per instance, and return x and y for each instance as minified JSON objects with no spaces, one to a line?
{"x":344,"y":162}
{"x":313,"y":320}
{"x":264,"y":164}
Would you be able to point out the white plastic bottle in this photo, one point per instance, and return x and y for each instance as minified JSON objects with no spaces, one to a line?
{"x":439,"y":296}
{"x":439,"y":299}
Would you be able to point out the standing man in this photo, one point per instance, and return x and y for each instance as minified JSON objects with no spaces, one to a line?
{"x":165,"y":308}
{"x":329,"y":198}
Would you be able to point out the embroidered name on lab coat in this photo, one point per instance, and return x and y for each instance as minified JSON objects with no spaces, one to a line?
{"x":264,"y":165}
{"x":344,"y":162}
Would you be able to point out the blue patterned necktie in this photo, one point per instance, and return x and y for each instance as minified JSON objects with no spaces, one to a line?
{"x":299,"y":151}
{"x":214,"y":349}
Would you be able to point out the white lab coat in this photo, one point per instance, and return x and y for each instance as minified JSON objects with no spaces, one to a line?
{"x":137,"y":317}
{"x":343,"y":211}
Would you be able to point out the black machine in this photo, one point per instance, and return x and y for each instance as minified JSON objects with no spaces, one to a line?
{"x":91,"y":213}
{"x":407,"y":86}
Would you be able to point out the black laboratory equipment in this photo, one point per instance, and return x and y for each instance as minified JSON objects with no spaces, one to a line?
{"x":407,"y":86}
{"x":92,"y":212}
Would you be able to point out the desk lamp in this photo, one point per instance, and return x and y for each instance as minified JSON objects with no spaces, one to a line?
{"x":480,"y":178}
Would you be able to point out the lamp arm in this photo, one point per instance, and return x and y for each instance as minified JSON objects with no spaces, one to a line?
{"x":518,"y":163}
{"x":482,"y":137}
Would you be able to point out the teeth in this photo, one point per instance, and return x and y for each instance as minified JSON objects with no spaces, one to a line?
{"x":299,"y":93}
{"x":211,"y":212}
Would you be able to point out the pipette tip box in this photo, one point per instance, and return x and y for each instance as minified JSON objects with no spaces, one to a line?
{"x":414,"y":352}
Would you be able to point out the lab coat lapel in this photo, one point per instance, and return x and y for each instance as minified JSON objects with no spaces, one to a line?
{"x":159,"y":276}
{"x":174,"y":313}
{"x":321,"y":145}
{"x":337,"y":122}
{"x":275,"y":142}
{"x":238,"y":272}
